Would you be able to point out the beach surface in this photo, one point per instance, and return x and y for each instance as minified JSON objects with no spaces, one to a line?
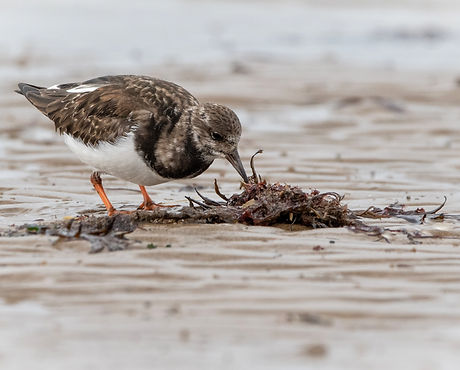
{"x":231,"y":296}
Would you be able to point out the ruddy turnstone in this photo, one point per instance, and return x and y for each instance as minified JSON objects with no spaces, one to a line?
{"x":139,"y":129}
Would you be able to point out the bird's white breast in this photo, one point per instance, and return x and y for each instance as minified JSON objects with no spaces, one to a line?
{"x":119,"y":159}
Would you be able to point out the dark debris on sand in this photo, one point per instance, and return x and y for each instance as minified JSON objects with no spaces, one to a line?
{"x":266,"y":204}
{"x":259,"y":203}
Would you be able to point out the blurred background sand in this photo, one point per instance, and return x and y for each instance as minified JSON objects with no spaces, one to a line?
{"x":357,"y":97}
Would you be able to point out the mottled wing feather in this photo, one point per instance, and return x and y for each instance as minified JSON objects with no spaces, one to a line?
{"x":111,"y":110}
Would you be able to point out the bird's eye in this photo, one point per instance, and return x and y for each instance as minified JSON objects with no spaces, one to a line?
{"x":216,"y":136}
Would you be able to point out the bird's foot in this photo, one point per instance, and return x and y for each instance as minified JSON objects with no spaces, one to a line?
{"x":112,"y":212}
{"x":150,"y":206}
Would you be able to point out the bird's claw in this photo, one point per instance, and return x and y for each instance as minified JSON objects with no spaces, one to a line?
{"x":150,"y":206}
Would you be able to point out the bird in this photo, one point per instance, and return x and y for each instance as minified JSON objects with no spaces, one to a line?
{"x":140,"y":129}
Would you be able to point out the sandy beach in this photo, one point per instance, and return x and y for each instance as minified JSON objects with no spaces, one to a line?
{"x":231,"y":296}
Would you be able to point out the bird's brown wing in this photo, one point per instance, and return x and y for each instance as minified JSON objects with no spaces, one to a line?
{"x":106,"y":108}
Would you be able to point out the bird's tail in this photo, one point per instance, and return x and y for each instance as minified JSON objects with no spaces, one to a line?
{"x":40,"y":97}
{"x":25,"y":88}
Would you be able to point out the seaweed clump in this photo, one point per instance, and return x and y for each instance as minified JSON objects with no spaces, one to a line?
{"x":266,"y":204}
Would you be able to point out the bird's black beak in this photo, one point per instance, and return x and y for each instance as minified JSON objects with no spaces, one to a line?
{"x":234,"y":159}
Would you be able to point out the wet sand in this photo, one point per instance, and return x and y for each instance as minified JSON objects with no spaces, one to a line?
{"x":233,"y":296}
{"x":355,"y":97}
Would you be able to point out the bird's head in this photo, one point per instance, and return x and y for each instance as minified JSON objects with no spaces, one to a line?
{"x":216,"y":131}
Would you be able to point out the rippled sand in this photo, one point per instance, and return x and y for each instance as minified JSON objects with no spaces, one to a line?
{"x":357,"y":97}
{"x":233,"y":296}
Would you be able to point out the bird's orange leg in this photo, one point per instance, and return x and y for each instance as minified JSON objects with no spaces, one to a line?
{"x":97,"y":183}
{"x":148,"y":204}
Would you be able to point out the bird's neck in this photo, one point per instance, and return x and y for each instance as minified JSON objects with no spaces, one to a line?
{"x":170,"y":149}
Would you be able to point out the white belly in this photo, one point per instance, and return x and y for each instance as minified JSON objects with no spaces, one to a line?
{"x":120,"y":160}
